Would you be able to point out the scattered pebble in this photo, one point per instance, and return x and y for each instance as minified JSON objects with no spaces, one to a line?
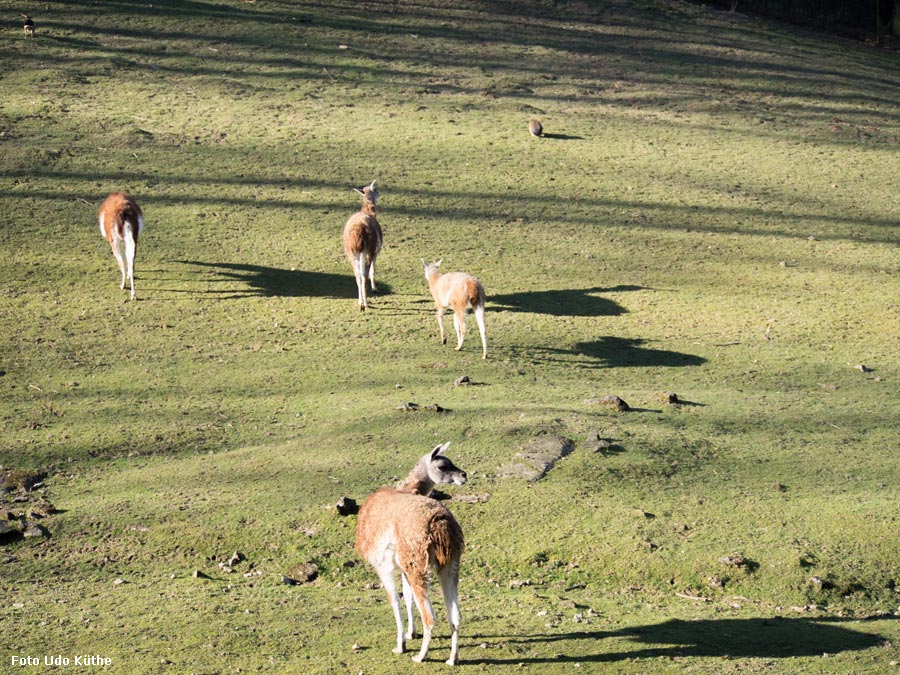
{"x":734,"y":560}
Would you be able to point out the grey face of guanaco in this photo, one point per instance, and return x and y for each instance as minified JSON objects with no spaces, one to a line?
{"x":442,"y":470}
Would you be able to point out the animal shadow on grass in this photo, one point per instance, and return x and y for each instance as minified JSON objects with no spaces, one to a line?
{"x":774,"y":638}
{"x":564,"y":302}
{"x":616,"y":352}
{"x":257,"y":280}
{"x":562,"y":137}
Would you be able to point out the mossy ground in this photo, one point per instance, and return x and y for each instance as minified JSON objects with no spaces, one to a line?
{"x":713,"y":212}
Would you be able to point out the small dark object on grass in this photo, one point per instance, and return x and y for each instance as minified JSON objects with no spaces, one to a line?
{"x":347,"y":506}
{"x":303,"y":573}
{"x":610,"y":401}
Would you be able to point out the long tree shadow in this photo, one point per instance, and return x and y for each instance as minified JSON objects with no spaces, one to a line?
{"x":564,"y":302}
{"x":258,"y":280}
{"x":774,"y":638}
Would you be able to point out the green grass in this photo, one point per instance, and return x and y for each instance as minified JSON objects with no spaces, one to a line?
{"x":713,"y":213}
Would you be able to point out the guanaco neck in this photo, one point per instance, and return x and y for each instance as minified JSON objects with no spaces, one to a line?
{"x":368,"y":207}
{"x":417,"y":482}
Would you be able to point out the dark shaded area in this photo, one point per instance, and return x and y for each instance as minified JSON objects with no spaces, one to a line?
{"x":273,"y":281}
{"x":564,"y":302}
{"x":562,"y":137}
{"x":774,"y":638}
{"x":618,"y":352}
{"x":839,"y":16}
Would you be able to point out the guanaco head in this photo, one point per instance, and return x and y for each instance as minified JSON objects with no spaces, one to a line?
{"x":369,"y":193}
{"x":431,"y":268}
{"x":439,"y":467}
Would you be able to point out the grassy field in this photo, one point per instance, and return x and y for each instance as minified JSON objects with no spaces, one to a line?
{"x":713,"y":212}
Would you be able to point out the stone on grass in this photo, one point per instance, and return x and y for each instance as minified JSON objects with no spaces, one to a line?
{"x":347,"y":506}
{"x":610,"y":401}
{"x":33,"y":530}
{"x":538,"y":458}
{"x":303,"y":573}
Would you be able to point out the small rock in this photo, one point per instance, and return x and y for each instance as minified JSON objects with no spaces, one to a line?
{"x":436,"y":408}
{"x":610,"y":401}
{"x":820,"y":584}
{"x":347,"y":506}
{"x":669,"y":397}
{"x":34,"y":530}
{"x":356,"y":647}
{"x":461,"y":381}
{"x":715,"y":582}
{"x":472,"y":499}
{"x":236,"y":557}
{"x":408,"y":406}
{"x":9,"y":530}
{"x":304,"y":573}
{"x":863,"y":368}
{"x":520,"y":583}
{"x":197,"y":574}
{"x":735,"y":560}
{"x":287,"y":581}
{"x":119,"y":582}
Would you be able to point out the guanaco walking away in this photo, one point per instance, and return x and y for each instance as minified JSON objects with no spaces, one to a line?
{"x":458,"y":291}
{"x":403,"y":529}
{"x":121,"y":222}
{"x":362,"y":242}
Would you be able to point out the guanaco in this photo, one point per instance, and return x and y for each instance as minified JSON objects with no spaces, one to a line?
{"x":403,"y":529}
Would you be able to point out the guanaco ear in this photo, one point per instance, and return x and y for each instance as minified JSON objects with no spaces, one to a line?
{"x":438,"y":263}
{"x":439,"y":449}
{"x":359,"y":191}
{"x":372,"y":185}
